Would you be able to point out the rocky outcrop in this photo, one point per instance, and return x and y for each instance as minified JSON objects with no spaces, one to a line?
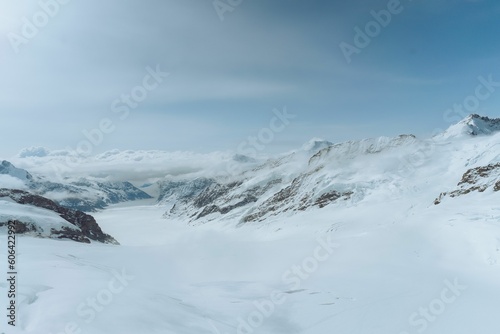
{"x":475,"y":179}
{"x":88,"y":229}
{"x":219,"y":198}
{"x":295,"y":197}
{"x":225,"y":210}
{"x":331,"y":197}
{"x":245,"y":203}
{"x":318,"y":176}
{"x":182,"y":190}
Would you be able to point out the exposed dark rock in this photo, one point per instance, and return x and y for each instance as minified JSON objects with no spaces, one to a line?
{"x":213,"y":192}
{"x":245,"y":201}
{"x":275,"y":202}
{"x":20,"y":227}
{"x":67,"y":233}
{"x":327,"y":198}
{"x":214,"y":198}
{"x":287,"y":199}
{"x":183,"y":190}
{"x":475,"y":179}
{"x":209,"y":209}
{"x":472,"y":176}
{"x":87,"y":224}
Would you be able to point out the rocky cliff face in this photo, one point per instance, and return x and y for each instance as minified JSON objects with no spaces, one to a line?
{"x":319,"y":175}
{"x":85,"y":227}
{"x":475,"y":179}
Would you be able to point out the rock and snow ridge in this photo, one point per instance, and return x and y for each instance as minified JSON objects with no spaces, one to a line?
{"x":325,"y":174}
{"x":6,"y":168}
{"x":477,"y":179}
{"x":41,"y":217}
{"x":84,"y":194}
{"x":318,"y":175}
{"x":473,"y":125}
{"x":393,"y":256}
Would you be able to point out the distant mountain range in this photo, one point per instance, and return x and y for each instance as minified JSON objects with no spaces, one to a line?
{"x":84,"y":194}
{"x":41,"y":217}
{"x":460,"y":161}
{"x":343,"y":174}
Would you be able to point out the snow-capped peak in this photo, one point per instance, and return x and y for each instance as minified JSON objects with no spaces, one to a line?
{"x":6,"y":168}
{"x":473,"y":125}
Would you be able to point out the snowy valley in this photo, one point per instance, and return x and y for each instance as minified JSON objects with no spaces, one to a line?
{"x":385,"y":235}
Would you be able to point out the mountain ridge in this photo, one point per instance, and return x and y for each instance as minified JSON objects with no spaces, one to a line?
{"x":82,"y":194}
{"x":319,"y":175}
{"x":83,"y":227}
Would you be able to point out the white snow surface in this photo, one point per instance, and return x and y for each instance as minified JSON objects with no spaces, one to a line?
{"x":41,"y":219}
{"x":389,"y":262}
{"x":473,"y":125}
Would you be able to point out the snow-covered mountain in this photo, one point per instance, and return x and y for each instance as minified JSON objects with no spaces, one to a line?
{"x":318,"y":175}
{"x":6,"y":168}
{"x":381,"y":235}
{"x":85,"y":194}
{"x":473,"y":125}
{"x":40,"y":217}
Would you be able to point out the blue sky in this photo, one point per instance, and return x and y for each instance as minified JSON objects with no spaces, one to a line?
{"x":226,"y":77}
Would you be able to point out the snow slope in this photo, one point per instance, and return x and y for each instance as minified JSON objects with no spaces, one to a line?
{"x":386,"y":260}
{"x":386,"y":264}
{"x":473,"y":125}
{"x":41,"y":220}
{"x":6,"y":168}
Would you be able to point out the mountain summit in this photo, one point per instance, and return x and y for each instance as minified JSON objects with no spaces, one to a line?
{"x":6,"y":168}
{"x":473,"y":125}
